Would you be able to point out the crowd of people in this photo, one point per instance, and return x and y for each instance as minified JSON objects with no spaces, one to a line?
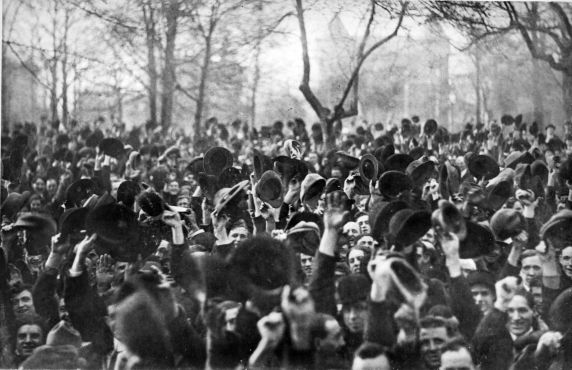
{"x":401,"y":246}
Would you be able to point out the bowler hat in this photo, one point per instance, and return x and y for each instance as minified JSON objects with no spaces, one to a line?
{"x":14,"y":203}
{"x":229,"y":197}
{"x":380,"y":214}
{"x":498,"y":194}
{"x":481,"y":278}
{"x":369,"y":167}
{"x":72,"y":221}
{"x":557,"y":231}
{"x":290,"y":168}
{"x":483,"y":166}
{"x":230,"y":176}
{"x":261,"y":162}
{"x":208,"y":184}
{"x":216,"y":160}
{"x":397,"y":162}
{"x":430,"y":127}
{"x":151,"y":203}
{"x":128,"y":191}
{"x":384,"y":152}
{"x":507,"y":223}
{"x":353,"y":288}
{"x":479,"y":241}
{"x":332,"y":184}
{"x":407,"y":226}
{"x":392,"y":183}
{"x":112,"y":147}
{"x":37,"y":223}
{"x":347,"y":161}
{"x":507,"y":120}
{"x":304,"y":237}
{"x":269,"y":189}
{"x":94,"y":139}
{"x":78,"y":191}
{"x":196,"y":166}
{"x":312,"y":186}
{"x":420,"y":170}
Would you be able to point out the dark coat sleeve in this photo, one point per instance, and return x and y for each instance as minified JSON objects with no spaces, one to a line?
{"x":322,"y":284}
{"x":464,"y":307}
{"x":380,"y":327}
{"x":492,"y":343}
{"x":44,"y":296}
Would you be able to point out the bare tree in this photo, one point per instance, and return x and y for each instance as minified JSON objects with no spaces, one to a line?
{"x":326,"y":115}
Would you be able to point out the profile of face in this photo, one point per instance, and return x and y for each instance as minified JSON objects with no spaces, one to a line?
{"x":238,"y":234}
{"x":355,"y":315}
{"x":351,"y":229}
{"x":363,"y":224}
{"x":23,"y":304}
{"x":531,"y":269}
{"x":483,"y":296}
{"x":28,"y":338}
{"x":334,"y":339}
{"x":355,"y":258}
{"x":230,"y":316}
{"x":457,"y":360}
{"x":520,"y":316}
{"x":306,"y":263}
{"x":566,"y":261}
{"x":432,"y":341}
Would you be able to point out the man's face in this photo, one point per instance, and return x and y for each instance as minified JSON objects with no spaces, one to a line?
{"x":432,"y":342}
{"x":334,"y":340}
{"x":363,"y":224}
{"x":238,"y":234}
{"x":52,"y":186}
{"x":306,"y":262}
{"x":351,"y":229}
{"x":355,"y":315}
{"x":28,"y":338}
{"x":174,"y":188}
{"x":566,"y":261}
{"x":366,"y":241}
{"x":336,"y":173}
{"x":184,"y":202}
{"x":23,"y":303}
{"x":531,"y":269}
{"x":39,"y":186}
{"x":483,"y":297}
{"x":355,"y":258}
{"x":537,"y":296}
{"x":230,"y":318}
{"x":550,"y":131}
{"x":36,"y":205}
{"x":520,"y":316}
{"x":457,"y":360}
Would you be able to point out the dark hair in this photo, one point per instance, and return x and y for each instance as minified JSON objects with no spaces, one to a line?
{"x":19,"y":288}
{"x":527,"y":254}
{"x":369,"y":350}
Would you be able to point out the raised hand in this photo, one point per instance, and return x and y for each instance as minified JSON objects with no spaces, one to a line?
{"x":104,"y":272}
{"x":60,"y":245}
{"x":505,"y":290}
{"x":336,"y":210}
{"x":172,"y":219}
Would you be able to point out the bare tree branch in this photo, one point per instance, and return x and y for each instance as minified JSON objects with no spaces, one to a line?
{"x":563,"y":17}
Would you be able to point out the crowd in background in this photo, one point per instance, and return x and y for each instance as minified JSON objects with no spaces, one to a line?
{"x":401,"y":246}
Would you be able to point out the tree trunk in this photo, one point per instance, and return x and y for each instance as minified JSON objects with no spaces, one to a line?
{"x":255,"y":82}
{"x":203,"y":84}
{"x":5,"y":92}
{"x":65,"y":69}
{"x":169,"y":67}
{"x":478,"y":85}
{"x":148,"y":17}
{"x":537,"y":93}
{"x":567,"y":94}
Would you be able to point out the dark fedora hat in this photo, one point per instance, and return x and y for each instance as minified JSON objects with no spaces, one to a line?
{"x":94,"y":139}
{"x":261,"y":163}
{"x":208,"y":184}
{"x":290,"y":168}
{"x":72,"y":221}
{"x":216,"y":160}
{"x":117,"y":231}
{"x":347,"y":161}
{"x":304,"y":237}
{"x":430,"y":127}
{"x":566,"y":170}
{"x":228,"y":197}
{"x":369,"y":167}
{"x":112,"y":147}
{"x":539,"y":169}
{"x":560,"y":314}
{"x":37,"y":223}
{"x":312,"y":186}
{"x":420,"y":170}
{"x":230,"y":176}
{"x":332,"y":184}
{"x":384,"y":152}
{"x":483,"y":166}
{"x":557,"y":231}
{"x":479,"y":241}
{"x":128,"y":191}
{"x":196,"y":166}
{"x":507,"y":223}
{"x":507,"y":120}
{"x":408,"y":226}
{"x":80,"y":190}
{"x":269,"y":189}
{"x":392,"y":183}
{"x":380,"y":214}
{"x":397,"y":162}
{"x":14,"y":203}
{"x":498,"y":194}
